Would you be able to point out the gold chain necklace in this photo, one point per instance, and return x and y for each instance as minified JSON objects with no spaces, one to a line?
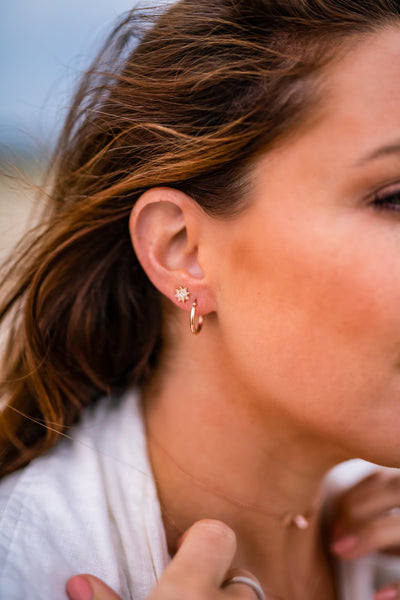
{"x":270,"y":594}
{"x":287,"y":519}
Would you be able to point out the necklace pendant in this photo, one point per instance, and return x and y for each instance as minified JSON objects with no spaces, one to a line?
{"x":299,"y":521}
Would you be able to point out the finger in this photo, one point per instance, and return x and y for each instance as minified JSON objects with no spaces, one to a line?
{"x":391,"y":592}
{"x":204,"y":556}
{"x":380,"y":533}
{"x":348,"y":503}
{"x":88,"y":587}
{"x":370,"y":497}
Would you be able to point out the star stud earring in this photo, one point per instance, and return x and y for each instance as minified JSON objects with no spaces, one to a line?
{"x":182,"y":294}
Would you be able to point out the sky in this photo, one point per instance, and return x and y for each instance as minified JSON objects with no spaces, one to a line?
{"x":44,"y":45}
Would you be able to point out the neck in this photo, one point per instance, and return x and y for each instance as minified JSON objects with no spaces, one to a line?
{"x":218,"y":456}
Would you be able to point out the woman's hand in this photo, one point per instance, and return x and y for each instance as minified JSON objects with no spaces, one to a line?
{"x":367,"y":519}
{"x":197,"y":571}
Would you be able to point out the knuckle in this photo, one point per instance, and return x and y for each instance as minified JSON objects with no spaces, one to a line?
{"x":384,"y":479}
{"x":394,"y":483}
{"x":379,"y":535}
{"x":377,"y":476}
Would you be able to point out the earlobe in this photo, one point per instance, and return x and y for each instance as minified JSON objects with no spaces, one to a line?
{"x":166,"y":230}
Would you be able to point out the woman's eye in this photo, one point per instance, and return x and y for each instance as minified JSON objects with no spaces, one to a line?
{"x":388,"y":199}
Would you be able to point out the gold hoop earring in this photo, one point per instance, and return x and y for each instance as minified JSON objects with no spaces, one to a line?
{"x":195,"y":327}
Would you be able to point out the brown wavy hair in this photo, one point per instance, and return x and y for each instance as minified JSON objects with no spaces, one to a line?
{"x":187,"y":97}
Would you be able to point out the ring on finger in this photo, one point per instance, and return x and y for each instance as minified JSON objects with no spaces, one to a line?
{"x":254,"y":585}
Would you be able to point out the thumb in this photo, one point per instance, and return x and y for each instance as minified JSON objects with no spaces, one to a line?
{"x":88,"y":587}
{"x":205,"y":554}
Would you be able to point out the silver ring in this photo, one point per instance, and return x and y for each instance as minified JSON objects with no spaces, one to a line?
{"x":256,"y":587}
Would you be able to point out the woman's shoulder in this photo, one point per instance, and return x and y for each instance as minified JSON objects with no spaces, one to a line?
{"x":70,"y":467}
{"x":63,"y":513}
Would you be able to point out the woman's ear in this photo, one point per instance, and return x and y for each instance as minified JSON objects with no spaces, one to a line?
{"x":166,"y":228}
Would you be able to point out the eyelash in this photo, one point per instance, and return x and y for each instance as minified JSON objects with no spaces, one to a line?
{"x":388,"y":199}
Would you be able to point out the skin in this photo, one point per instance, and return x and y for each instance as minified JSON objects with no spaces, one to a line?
{"x":319,"y":268}
{"x":298,"y":363}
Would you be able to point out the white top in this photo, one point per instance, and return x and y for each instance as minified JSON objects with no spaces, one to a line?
{"x":90,"y":506}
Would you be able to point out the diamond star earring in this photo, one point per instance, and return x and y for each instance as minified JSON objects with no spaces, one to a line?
{"x":182,"y":294}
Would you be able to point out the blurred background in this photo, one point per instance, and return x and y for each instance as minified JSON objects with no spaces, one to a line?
{"x":44,"y":46}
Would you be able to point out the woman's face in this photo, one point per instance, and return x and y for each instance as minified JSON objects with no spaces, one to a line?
{"x":309,"y":292}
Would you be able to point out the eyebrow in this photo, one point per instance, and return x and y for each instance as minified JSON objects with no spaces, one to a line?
{"x":378,"y":153}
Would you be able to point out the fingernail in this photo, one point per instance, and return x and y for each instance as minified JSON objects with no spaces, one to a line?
{"x":386,"y":594}
{"x":344,"y":544}
{"x":78,"y":588}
